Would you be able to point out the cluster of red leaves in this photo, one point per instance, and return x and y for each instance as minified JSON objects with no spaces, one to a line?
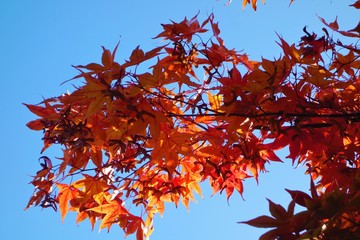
{"x":330,"y":215}
{"x":146,"y":138}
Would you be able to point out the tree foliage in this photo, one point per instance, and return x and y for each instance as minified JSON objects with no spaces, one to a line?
{"x":133,"y":136}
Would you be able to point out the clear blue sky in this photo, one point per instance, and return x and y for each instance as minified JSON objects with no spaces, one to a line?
{"x":40,"y":40}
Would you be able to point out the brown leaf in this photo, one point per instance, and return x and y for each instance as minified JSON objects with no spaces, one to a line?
{"x":299,"y":197}
{"x":277,"y":211}
{"x":263,"y":222}
{"x":356,"y":4}
{"x":356,"y":29}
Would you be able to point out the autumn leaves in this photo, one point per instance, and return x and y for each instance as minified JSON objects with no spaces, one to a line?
{"x":159,"y":132}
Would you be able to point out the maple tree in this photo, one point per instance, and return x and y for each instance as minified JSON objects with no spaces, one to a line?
{"x":145,"y":138}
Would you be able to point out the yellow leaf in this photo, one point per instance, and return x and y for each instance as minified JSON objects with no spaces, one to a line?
{"x":215,"y":100}
{"x":196,"y":187}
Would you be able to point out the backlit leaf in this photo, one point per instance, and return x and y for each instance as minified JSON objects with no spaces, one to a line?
{"x":149,"y":129}
{"x":114,"y":213}
{"x":35,"y":125}
{"x":107,"y":58}
{"x":66,"y":194}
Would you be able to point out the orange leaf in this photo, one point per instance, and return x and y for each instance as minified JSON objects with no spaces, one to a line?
{"x":270,"y":155}
{"x":35,"y":125}
{"x":253,"y":4}
{"x":96,"y":156}
{"x":66,"y":194}
{"x":83,"y":215}
{"x":107,"y":59}
{"x":183,"y":30}
{"x":92,"y":187}
{"x":41,"y":111}
{"x":96,"y":105}
{"x":92,"y":67}
{"x":138,"y":56}
{"x":133,"y":224}
{"x":114,"y":213}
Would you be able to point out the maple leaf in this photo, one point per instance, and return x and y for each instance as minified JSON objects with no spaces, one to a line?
{"x":335,"y":26}
{"x":107,"y":58}
{"x":356,"y":4}
{"x":36,"y":125}
{"x":277,"y":211}
{"x":299,"y":197}
{"x":93,"y":187}
{"x":66,"y":194}
{"x":182,"y":30}
{"x":153,"y":136}
{"x":114,"y":213}
{"x":41,"y":111}
{"x":138,"y":56}
{"x":262,"y":222}
{"x":216,"y":30}
{"x":96,"y":156}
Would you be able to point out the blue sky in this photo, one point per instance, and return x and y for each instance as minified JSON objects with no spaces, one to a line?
{"x":40,"y":40}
